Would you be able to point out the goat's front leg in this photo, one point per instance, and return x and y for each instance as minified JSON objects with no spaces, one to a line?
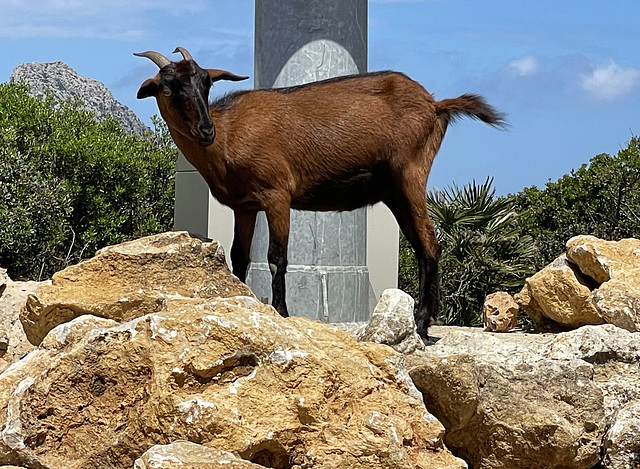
{"x":245,"y":223}
{"x":278,"y":220}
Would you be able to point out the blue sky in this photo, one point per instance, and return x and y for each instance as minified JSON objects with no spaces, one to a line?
{"x":567,"y":73}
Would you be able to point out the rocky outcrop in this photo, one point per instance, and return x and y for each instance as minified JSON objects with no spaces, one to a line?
{"x":596,"y":281}
{"x":614,"y":354}
{"x":505,"y":406}
{"x":534,"y":400}
{"x":211,"y":381}
{"x":227,"y":373}
{"x":64,"y":84}
{"x":621,"y":443}
{"x":130,"y":280}
{"x":13,"y":341}
{"x":172,"y":359}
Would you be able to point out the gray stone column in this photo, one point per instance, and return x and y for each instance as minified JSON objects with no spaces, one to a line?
{"x":297,"y":42}
{"x":192,"y":199}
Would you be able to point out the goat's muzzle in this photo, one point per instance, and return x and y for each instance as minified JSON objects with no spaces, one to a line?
{"x":204,"y":135}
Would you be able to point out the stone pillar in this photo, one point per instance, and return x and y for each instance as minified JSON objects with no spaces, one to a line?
{"x":298,"y":42}
{"x":192,"y":199}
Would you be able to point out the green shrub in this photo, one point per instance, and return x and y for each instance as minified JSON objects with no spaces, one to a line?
{"x":70,"y":185}
{"x":601,"y":198}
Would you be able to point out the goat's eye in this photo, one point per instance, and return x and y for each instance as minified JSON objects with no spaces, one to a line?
{"x":167,"y":92}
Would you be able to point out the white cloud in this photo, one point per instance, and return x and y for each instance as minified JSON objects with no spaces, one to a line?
{"x":523,"y":67}
{"x":610,"y":82}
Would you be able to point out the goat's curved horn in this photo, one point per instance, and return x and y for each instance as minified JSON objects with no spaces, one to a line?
{"x":157,"y":58}
{"x":184,"y":52}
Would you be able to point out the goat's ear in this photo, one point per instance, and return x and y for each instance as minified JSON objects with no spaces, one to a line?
{"x":216,"y":75}
{"x":149,"y":88}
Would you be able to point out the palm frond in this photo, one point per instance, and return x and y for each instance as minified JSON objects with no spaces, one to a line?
{"x":484,"y":249}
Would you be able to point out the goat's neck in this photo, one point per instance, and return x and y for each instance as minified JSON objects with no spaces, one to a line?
{"x":207,"y":161}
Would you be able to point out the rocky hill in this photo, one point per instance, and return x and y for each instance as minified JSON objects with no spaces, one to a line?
{"x":65,"y":83}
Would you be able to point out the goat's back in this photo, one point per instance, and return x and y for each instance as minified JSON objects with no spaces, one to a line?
{"x":337,"y":144}
{"x":342,"y":122}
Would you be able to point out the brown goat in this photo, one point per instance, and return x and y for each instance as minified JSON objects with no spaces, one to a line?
{"x":337,"y":144}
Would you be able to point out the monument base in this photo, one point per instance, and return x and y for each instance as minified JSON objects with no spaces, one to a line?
{"x":324,"y":293}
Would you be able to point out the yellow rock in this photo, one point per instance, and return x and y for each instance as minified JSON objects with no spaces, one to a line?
{"x":559,"y":293}
{"x":129,"y":280}
{"x":616,"y":265}
{"x":500,"y":312}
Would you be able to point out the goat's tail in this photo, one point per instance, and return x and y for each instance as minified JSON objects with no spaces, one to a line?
{"x":469,"y":105}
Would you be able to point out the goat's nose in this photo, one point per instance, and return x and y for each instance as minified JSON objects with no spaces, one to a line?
{"x":204,"y":133}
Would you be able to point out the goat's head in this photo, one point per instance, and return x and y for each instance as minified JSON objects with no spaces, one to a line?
{"x":182,"y":92}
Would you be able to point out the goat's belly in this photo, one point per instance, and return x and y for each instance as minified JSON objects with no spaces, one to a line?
{"x":345,"y":192}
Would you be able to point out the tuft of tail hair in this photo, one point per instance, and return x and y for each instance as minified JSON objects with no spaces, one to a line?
{"x":469,"y":105}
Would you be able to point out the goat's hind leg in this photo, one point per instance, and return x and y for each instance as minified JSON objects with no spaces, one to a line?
{"x":411,"y":214}
{"x":245,"y":223}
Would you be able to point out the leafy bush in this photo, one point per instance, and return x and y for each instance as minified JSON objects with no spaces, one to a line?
{"x":483,"y":250}
{"x":601,"y":198}
{"x":70,"y":185}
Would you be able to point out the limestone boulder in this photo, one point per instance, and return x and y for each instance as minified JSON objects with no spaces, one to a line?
{"x":392,"y":323}
{"x":605,"y":260}
{"x":615,"y":265}
{"x":621,"y":443}
{"x":614,"y":354}
{"x":618,"y":302}
{"x":505,"y":404}
{"x":184,"y":454}
{"x":16,"y":380}
{"x":13,"y":340}
{"x":229,"y":374}
{"x":500,"y":312}
{"x":132,"y":279}
{"x":559,"y":293}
